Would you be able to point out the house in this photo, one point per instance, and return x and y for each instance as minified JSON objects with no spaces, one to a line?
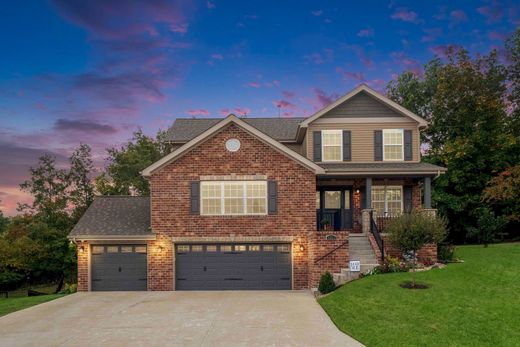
{"x":262,"y":203}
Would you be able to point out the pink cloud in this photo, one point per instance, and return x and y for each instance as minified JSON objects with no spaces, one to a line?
{"x":357,"y":76}
{"x":405,"y":15}
{"x":377,"y":84}
{"x":317,"y":13}
{"x":431,"y":34}
{"x":360,"y":53}
{"x":497,"y":36}
{"x":284,"y":104}
{"x":276,"y":83}
{"x":197,"y":112}
{"x":242,"y":111}
{"x":458,"y":16}
{"x":407,"y":63}
{"x":444,"y":50}
{"x":321,"y":99}
{"x":313,"y":58}
{"x":217,"y":56}
{"x":254,"y":85}
{"x":493,"y":13}
{"x":288,"y":94}
{"x":369,"y":32}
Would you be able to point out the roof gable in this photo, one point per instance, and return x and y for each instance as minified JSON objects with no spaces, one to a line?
{"x":358,"y":99}
{"x":243,"y":125}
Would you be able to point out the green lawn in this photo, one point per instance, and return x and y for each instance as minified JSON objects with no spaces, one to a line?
{"x":15,"y":304}
{"x":475,"y":303}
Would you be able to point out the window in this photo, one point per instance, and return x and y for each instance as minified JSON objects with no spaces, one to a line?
{"x":393,"y":148}
{"x":140,"y":249}
{"x":347,"y":199}
{"x":211,"y":248}
{"x":98,"y":249}
{"x":240,"y":248}
{"x":234,"y":198}
{"x":318,"y":200}
{"x":268,"y":248}
{"x":332,"y":145}
{"x":127,"y":249}
{"x":333,"y":199}
{"x":226,"y":248}
{"x":387,"y":200}
{"x":254,"y":248}
{"x":112,"y":249}
{"x":196,"y":248}
{"x":183,"y":248}
{"x":283,"y":248}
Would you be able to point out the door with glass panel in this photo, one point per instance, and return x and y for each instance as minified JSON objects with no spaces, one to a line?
{"x":334,"y":208}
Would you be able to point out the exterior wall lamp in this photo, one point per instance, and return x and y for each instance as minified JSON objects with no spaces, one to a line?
{"x":82,"y":249}
{"x":302,"y":248}
{"x":160,"y":249}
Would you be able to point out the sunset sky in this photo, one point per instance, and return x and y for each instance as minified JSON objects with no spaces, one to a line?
{"x":94,"y":71}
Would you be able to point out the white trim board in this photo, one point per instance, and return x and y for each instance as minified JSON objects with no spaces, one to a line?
{"x":364,"y":88}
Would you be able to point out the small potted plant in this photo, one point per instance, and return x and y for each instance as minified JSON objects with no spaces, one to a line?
{"x":325,"y":224}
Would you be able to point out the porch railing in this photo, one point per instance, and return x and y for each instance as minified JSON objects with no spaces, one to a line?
{"x":384,"y":219}
{"x":377,"y":236}
{"x":327,"y":220}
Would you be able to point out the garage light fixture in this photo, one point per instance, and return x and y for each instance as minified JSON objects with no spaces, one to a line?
{"x":160,"y":249}
{"x":81,"y":249}
{"x":302,"y":248}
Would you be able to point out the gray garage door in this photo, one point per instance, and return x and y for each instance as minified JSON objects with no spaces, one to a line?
{"x":233,"y":267}
{"x":119,"y":267}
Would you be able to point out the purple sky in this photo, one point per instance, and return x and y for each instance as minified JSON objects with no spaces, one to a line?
{"x":94,"y":71}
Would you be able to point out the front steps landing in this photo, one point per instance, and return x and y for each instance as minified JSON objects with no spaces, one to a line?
{"x":359,"y":249}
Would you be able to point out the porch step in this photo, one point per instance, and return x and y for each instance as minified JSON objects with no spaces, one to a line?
{"x":359,"y":249}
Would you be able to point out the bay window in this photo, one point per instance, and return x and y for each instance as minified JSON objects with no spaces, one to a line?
{"x":387,"y":200}
{"x":233,"y":198}
{"x":393,"y":144}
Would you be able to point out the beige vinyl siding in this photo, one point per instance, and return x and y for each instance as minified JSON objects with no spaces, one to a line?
{"x":361,"y":105}
{"x":297,"y":147}
{"x":362,"y":138}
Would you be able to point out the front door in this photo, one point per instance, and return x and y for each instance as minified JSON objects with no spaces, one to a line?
{"x":335,"y":208}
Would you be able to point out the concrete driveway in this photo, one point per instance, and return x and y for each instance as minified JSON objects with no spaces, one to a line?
{"x":242,"y":318}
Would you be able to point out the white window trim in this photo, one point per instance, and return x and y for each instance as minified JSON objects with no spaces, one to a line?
{"x":402,"y":145}
{"x":323,"y":132}
{"x":244,"y":199}
{"x":385,"y":212}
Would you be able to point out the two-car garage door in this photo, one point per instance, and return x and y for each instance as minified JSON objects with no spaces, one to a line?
{"x":197,"y":267}
{"x":233,"y":266}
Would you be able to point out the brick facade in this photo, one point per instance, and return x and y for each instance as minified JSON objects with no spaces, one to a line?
{"x":83,"y":253}
{"x":321,"y":244}
{"x":170,"y":194}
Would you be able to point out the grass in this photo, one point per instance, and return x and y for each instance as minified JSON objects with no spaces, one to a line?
{"x":475,"y":303}
{"x":19,"y":303}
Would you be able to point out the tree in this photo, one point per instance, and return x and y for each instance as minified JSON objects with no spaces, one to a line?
{"x":4,"y":221}
{"x":488,"y":225}
{"x":49,"y":188}
{"x":80,"y":182}
{"x":122,"y":175}
{"x":464,"y":101}
{"x":503,"y":191}
{"x":412,"y":231}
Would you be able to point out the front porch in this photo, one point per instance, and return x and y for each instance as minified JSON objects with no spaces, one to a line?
{"x":341,"y":200}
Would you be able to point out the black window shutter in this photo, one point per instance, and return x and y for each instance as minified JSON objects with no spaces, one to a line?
{"x":407,"y":192}
{"x":316,"y":145}
{"x":407,"y":145}
{"x":347,"y":156}
{"x":272,"y":197}
{"x":195,"y":198}
{"x":378,"y":145}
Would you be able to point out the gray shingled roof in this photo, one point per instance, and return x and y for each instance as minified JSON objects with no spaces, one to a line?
{"x":185,"y":129}
{"x":115,"y":215}
{"x":382,"y":167}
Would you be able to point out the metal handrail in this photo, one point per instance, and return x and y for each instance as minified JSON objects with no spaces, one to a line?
{"x":334,"y":250}
{"x":377,"y":236}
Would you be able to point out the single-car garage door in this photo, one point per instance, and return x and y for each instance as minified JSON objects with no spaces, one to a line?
{"x":118,"y":267}
{"x":233,"y":266}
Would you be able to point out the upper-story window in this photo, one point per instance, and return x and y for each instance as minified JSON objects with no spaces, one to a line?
{"x":393,"y":144}
{"x":233,"y":198}
{"x":331,"y":145}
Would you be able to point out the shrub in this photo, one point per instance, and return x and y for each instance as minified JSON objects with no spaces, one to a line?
{"x":70,"y":289}
{"x":10,"y":280}
{"x":488,"y":227}
{"x":445,"y":253}
{"x":411,"y":231}
{"x":327,"y":284}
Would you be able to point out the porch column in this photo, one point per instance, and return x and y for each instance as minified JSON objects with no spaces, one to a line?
{"x":427,"y":192}
{"x":368,"y":192}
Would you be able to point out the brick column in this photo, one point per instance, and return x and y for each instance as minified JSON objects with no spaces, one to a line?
{"x":83,"y":251}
